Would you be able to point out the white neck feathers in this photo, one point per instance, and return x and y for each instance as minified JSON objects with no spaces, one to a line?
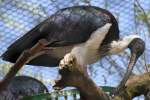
{"x":120,"y":45}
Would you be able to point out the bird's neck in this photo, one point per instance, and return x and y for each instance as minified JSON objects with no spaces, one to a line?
{"x":122,"y":44}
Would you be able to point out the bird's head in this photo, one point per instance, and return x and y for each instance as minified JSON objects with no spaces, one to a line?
{"x":137,"y":47}
{"x":133,"y":42}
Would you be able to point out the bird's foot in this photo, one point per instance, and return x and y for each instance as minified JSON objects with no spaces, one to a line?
{"x":71,"y":73}
{"x":66,"y":71}
{"x":67,"y":62}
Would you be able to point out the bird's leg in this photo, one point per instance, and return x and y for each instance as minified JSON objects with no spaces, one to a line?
{"x":73,"y":74}
{"x":23,"y":59}
{"x":68,"y":61}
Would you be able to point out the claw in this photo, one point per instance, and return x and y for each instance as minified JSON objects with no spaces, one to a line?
{"x":67,"y":61}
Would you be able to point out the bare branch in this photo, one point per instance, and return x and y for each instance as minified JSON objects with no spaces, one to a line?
{"x":23,"y":59}
{"x":75,"y":75}
{"x":137,"y":85}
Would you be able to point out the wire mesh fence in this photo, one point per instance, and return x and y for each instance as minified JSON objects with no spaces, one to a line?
{"x":19,"y":16}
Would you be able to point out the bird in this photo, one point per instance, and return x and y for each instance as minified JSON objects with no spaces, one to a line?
{"x":70,"y":27}
{"x":22,"y":86}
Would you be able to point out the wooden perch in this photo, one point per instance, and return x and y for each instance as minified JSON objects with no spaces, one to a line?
{"x":135,"y":86}
{"x":23,"y":59}
{"x":75,"y":75}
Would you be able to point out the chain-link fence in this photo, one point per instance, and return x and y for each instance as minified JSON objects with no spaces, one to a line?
{"x":19,"y":16}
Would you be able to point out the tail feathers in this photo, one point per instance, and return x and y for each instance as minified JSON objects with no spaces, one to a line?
{"x":25,"y":42}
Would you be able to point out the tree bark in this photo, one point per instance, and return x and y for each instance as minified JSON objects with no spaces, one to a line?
{"x":23,"y":59}
{"x":137,"y":85}
{"x":76,"y":76}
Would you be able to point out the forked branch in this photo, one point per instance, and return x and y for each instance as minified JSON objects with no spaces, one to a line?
{"x":26,"y":56}
{"x":74,"y":75}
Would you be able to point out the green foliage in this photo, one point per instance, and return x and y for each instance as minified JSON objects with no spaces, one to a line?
{"x":2,"y":1}
{"x":141,"y":16}
{"x":56,"y":94}
{"x":4,"y":68}
{"x":86,"y":1}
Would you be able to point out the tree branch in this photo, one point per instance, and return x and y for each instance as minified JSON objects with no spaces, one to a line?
{"x":137,"y":85}
{"x":23,"y":59}
{"x":76,"y":75}
{"x":73,"y":74}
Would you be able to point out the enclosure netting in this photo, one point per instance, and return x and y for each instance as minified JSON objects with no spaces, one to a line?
{"x":19,"y":16}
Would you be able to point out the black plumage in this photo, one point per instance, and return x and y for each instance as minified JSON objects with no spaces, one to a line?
{"x":68,"y":26}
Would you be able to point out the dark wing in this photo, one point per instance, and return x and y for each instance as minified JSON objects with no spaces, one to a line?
{"x":68,"y":26}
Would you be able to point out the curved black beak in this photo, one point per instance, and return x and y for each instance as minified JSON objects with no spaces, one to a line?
{"x":137,"y":47}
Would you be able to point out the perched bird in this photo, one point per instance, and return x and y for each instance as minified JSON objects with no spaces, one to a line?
{"x":64,"y":29}
{"x":73,"y":26}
